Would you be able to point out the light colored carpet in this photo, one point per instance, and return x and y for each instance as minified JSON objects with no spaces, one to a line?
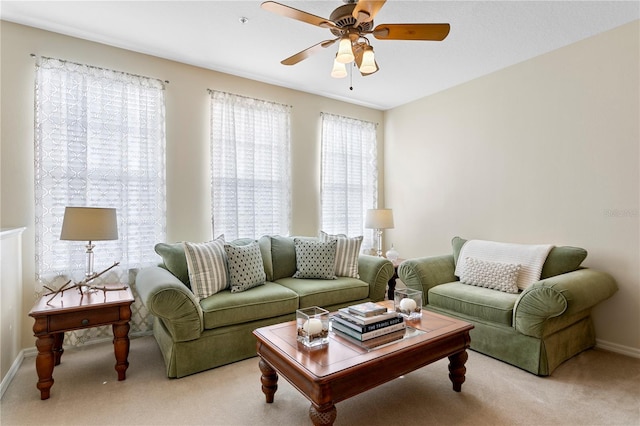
{"x":594,"y":388}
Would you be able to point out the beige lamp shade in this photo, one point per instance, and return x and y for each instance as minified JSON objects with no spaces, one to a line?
{"x":379,"y":219}
{"x":89,"y":224}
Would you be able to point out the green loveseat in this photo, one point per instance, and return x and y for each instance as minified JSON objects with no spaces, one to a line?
{"x":535,"y":329}
{"x":198,"y":335}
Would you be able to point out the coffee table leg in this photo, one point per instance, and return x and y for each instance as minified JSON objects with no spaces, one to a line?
{"x":269,"y":380}
{"x":323,"y":417}
{"x":457,"y":369}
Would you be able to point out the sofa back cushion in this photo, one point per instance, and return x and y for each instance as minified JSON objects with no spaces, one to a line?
{"x":265,"y":250}
{"x":560,"y":260}
{"x":283,"y":257}
{"x":174,"y":260}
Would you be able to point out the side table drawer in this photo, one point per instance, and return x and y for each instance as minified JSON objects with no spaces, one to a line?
{"x":88,"y":318}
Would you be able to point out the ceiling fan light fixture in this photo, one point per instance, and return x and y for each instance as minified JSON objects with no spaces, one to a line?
{"x":345,"y":51}
{"x":368,"y":64}
{"x":339,"y":69}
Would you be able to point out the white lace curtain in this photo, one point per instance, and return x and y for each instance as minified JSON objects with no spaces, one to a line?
{"x":99,"y":142}
{"x":250,"y":166}
{"x":349,"y":175}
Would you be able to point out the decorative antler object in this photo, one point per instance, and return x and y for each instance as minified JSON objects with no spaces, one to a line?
{"x":84,"y":286}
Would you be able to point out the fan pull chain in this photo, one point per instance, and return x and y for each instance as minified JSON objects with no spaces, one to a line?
{"x":351,"y":77}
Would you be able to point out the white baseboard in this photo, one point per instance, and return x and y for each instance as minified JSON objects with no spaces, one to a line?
{"x":620,"y":349}
{"x":32,"y":352}
{"x":6,"y":380}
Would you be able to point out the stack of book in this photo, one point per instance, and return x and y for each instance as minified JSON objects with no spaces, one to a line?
{"x":369,"y":323}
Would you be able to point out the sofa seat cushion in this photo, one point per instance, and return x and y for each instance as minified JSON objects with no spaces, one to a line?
{"x":317,"y":292}
{"x":478,"y":302}
{"x":266,"y":301}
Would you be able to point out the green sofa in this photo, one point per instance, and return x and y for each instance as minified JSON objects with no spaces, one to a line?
{"x":535,"y":329}
{"x":198,"y":335}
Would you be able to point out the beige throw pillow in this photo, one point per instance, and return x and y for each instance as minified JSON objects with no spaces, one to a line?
{"x":494,"y":275}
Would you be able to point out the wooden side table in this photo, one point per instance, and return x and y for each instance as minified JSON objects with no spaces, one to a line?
{"x":392,"y":280}
{"x":73,"y":311}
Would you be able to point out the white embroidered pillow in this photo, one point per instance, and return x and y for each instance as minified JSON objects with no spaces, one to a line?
{"x":207,"y":265}
{"x":494,"y":275}
{"x":315,"y":259}
{"x":347,"y":252}
{"x":246,"y":269}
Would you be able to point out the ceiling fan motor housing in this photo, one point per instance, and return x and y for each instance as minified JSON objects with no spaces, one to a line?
{"x":343,"y":18}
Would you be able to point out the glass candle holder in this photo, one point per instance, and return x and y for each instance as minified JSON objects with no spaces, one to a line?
{"x":312,"y":326}
{"x":408,"y":303}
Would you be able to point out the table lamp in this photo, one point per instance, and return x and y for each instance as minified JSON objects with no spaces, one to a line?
{"x":379,"y":219}
{"x":89,"y":224}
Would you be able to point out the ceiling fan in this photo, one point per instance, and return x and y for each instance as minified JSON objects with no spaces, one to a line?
{"x":351,"y":23}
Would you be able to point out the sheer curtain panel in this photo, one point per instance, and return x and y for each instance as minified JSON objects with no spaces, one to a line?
{"x":250,"y":166}
{"x":349,"y":175}
{"x":99,"y":142}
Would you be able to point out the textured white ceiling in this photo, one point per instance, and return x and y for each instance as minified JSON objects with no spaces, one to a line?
{"x":485,"y":36}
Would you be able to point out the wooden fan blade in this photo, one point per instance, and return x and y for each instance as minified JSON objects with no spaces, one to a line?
{"x":366,"y":10}
{"x":296,"y":14}
{"x":434,"y":32}
{"x":304,"y":54}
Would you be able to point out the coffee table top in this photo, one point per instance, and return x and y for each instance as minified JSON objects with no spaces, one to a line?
{"x":341,"y":354}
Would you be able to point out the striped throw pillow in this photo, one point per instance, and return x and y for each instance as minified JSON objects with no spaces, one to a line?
{"x":207,"y":264}
{"x":347,"y":252}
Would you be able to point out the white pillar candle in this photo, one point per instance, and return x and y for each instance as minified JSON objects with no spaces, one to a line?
{"x":408,"y":304}
{"x":312,"y":326}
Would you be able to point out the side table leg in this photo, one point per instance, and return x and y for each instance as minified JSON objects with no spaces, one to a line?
{"x":58,"y":338}
{"x":269,"y":380}
{"x":457,"y":369}
{"x":45,"y":361}
{"x":323,"y":417}
{"x":392,"y":283}
{"x":121,"y":348}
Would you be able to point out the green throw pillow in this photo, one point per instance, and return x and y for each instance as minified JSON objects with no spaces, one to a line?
{"x":175,"y":261}
{"x":456,"y":244}
{"x":561,"y":260}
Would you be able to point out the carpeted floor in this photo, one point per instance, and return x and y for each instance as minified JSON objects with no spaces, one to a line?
{"x":594,"y":388}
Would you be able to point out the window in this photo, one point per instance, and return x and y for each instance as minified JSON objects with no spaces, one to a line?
{"x":349,"y":175}
{"x":250,"y":167}
{"x":99,"y":142}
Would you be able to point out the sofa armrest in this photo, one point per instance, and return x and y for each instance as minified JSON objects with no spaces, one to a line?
{"x":376,"y":271}
{"x":424,"y":273}
{"x":564,"y":294}
{"x":166,"y":297}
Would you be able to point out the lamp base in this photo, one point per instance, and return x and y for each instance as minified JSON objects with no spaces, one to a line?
{"x":379,"y":249}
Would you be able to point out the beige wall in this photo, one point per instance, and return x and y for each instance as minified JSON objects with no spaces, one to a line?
{"x":545,"y":151}
{"x":187,"y":113}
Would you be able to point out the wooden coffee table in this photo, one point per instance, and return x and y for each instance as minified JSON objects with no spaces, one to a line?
{"x":343,"y":369}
